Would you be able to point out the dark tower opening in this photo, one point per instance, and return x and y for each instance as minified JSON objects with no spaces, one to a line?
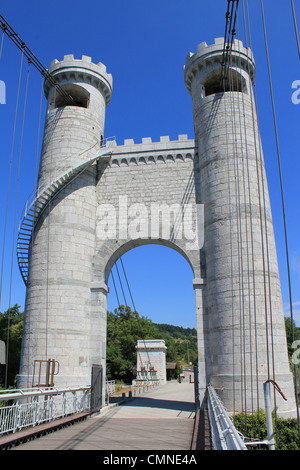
{"x":216,"y":82}
{"x":75,"y":96}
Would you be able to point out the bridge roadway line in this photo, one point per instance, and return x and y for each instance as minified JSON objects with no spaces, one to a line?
{"x":161,"y":419}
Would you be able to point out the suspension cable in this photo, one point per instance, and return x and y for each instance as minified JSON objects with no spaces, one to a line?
{"x":239,"y":241}
{"x":9,"y":175}
{"x":127,"y":284}
{"x":142,"y":336}
{"x":35,"y":192}
{"x":113,"y":279}
{"x":1,"y":45}
{"x":227,"y":133}
{"x":14,"y":227}
{"x":230,"y":32}
{"x":283,"y":204}
{"x":38,"y":140}
{"x":9,"y":31}
{"x":254,"y":281}
{"x":267,"y":245}
{"x":245,"y":177}
{"x":295,"y":25}
{"x":121,"y":284}
{"x":130,"y":293}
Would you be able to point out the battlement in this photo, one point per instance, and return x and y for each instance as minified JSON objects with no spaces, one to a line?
{"x":204,"y":50}
{"x":165,"y":139}
{"x":85,"y":62}
{"x":147,"y":145}
{"x":206,"y":55}
{"x":83,"y":70}
{"x":148,"y":152}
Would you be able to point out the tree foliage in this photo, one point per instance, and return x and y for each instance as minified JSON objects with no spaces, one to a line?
{"x":12,"y":321}
{"x":289,"y":328}
{"x":124,"y":328}
{"x":254,"y":427}
{"x":182,"y":343}
{"x":293,"y":335}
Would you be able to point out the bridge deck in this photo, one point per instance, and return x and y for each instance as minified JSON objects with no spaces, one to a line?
{"x":162,"y":419}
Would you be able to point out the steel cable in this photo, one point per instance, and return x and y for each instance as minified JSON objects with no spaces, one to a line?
{"x":9,"y":175}
{"x":295,"y":26}
{"x":1,"y":45}
{"x":282,"y":200}
{"x":14,"y":228}
{"x":245,"y":158}
{"x":251,"y":215}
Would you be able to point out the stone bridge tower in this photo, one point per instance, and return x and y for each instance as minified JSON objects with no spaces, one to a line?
{"x":245,"y":341}
{"x":59,"y":322}
{"x":205,"y":198}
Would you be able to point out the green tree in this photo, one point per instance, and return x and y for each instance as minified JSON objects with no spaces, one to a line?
{"x":11,"y":321}
{"x":124,"y":328}
{"x":293,"y":349}
{"x":289,"y":327}
{"x":181,"y":342}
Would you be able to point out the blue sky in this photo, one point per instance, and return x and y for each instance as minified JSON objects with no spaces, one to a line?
{"x":144,"y":46}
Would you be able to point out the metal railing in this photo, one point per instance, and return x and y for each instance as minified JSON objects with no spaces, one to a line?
{"x":223,"y":432}
{"x":29,"y":407}
{"x":110,"y":388}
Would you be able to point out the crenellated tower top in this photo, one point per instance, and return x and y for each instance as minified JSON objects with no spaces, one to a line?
{"x":80,"y":70}
{"x":208,"y":61}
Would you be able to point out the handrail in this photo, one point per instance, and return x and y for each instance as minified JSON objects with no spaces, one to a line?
{"x":35,"y":406}
{"x":224,"y":434}
{"x":35,"y":391}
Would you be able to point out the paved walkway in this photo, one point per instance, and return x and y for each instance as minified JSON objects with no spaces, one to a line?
{"x":162,"y":419}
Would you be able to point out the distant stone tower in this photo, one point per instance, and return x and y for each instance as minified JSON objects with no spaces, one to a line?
{"x":239,"y":244}
{"x":59,"y":321}
{"x":151,"y":361}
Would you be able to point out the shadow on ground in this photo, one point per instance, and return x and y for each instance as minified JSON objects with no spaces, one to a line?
{"x":159,"y":403}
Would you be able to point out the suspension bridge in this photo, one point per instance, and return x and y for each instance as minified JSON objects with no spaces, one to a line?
{"x":76,"y":227}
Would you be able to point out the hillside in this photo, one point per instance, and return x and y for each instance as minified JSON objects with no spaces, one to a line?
{"x":181,"y":343}
{"x":176,"y":331}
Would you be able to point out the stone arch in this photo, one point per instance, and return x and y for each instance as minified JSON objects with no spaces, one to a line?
{"x":121,"y":247}
{"x":105,"y":258}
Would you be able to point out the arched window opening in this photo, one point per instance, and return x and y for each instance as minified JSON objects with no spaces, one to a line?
{"x":216,"y":83}
{"x":75,"y":96}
